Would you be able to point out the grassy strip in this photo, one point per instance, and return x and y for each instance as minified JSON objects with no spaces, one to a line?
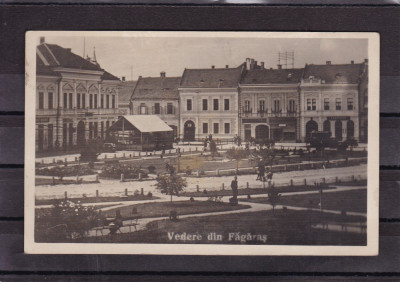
{"x":163,"y":209}
{"x":286,"y":227}
{"x":253,"y":191}
{"x":351,"y":201}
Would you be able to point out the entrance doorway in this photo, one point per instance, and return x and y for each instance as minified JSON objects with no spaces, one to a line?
{"x":311,"y":126}
{"x":80,"y":138}
{"x":338,"y":129}
{"x":350,"y":129}
{"x":262,"y":132}
{"x":189,"y":131}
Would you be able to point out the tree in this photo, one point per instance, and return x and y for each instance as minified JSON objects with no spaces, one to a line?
{"x":170,"y":184}
{"x":273,"y":197}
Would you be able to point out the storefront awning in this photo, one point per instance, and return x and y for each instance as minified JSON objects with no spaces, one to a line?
{"x":143,"y":123}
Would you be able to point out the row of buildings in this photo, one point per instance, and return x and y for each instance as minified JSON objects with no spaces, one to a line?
{"x":77,"y":100}
{"x":252,"y":101}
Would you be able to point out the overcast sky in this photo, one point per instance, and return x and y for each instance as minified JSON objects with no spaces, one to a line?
{"x":131,"y":57}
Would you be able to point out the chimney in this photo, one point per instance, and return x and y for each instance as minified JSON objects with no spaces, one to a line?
{"x":262,"y":65}
{"x":279,"y":67}
{"x":42,"y":40}
{"x":162,"y":74}
{"x":247,"y":63}
{"x":328,"y":62}
{"x":352,"y":62}
{"x":213,"y":67}
{"x":123,"y":78}
{"x":252,"y":64}
{"x":227,"y":66}
{"x":366,"y":61}
{"x":140,"y":77}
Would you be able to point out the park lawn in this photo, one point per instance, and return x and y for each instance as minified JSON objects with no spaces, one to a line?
{"x":100,"y":199}
{"x":286,"y":227}
{"x":350,"y":201}
{"x":254,"y":191}
{"x":162,"y":209}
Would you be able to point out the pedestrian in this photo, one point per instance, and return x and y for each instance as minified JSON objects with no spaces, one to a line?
{"x":239,"y":141}
{"x":205,"y":143}
{"x":234,"y":186}
{"x":261,"y":171}
{"x":163,"y":148}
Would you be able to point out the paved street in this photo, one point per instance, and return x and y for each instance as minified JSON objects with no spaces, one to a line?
{"x":116,"y":188}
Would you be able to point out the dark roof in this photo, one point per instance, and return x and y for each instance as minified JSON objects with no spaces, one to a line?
{"x":125,"y":92}
{"x":212,"y":78}
{"x":274,"y":76}
{"x":346,"y":73}
{"x":157,"y":88}
{"x":57,"y":56}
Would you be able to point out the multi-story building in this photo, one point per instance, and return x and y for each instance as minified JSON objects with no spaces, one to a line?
{"x":157,"y":96}
{"x":269,"y":100}
{"x":209,"y":103}
{"x":329,"y":100}
{"x":363,"y":103}
{"x":76,"y":100}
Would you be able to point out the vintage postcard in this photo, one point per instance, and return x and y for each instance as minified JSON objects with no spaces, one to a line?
{"x":202,"y":143}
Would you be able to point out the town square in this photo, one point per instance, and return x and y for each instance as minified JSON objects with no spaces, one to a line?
{"x":269,"y":148}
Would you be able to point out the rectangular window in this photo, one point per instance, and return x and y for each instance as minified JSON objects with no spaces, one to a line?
{"x":143,"y":109}
{"x":189,"y":104}
{"x":311,"y":104}
{"x":226,"y":104}
{"x":65,"y":105}
{"x":277,"y":106}
{"x":216,"y":128}
{"x":70,"y":101}
{"x":78,"y":101}
{"x":247,"y":106}
{"x":338,"y":104}
{"x":102,"y":101}
{"x":227,"y":127}
{"x":350,"y":105}
{"x":205,"y":105}
{"x":314,"y":104}
{"x":157,"y":109}
{"x":107,"y":101}
{"x":261,"y":105}
{"x":95,"y":101}
{"x":326,"y":104}
{"x":83,"y":101}
{"x":292,"y":106}
{"x":90,"y":101}
{"x":170,"y":109}
{"x":113,"y":101}
{"x":205,"y":127}
{"x":50,"y":100}
{"x":216,"y":104}
{"x":41,"y":100}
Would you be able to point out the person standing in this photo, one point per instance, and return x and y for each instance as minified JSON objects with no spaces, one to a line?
{"x":234,"y":186}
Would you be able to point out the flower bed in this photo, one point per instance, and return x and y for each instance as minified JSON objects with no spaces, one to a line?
{"x":114,"y":171}
{"x":65,"y":171}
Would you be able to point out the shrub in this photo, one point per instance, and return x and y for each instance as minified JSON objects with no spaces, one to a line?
{"x":151,"y":169}
{"x":65,"y":171}
{"x":65,"y":220}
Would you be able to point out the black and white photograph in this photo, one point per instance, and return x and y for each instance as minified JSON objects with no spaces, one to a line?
{"x":203,"y":143}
